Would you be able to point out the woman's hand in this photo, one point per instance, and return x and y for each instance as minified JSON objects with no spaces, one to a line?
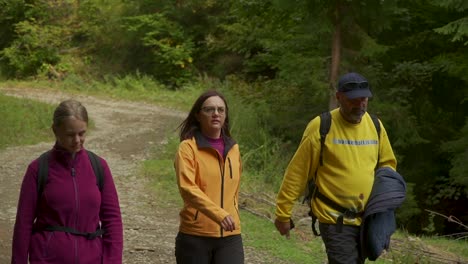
{"x":228,"y":223}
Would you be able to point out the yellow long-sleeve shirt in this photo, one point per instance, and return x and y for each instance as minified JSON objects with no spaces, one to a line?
{"x":349,"y":159}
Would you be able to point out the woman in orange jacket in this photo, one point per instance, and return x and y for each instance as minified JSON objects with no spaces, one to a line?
{"x":208,"y":169}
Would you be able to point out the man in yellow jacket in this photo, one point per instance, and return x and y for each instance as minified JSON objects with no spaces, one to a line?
{"x":351,"y":152}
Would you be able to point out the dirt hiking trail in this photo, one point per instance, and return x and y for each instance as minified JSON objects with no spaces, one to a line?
{"x":124,"y":133}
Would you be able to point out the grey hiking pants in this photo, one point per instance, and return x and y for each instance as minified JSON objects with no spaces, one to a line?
{"x":342,"y":247}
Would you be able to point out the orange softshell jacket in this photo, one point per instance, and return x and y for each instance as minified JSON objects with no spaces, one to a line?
{"x":209,"y":185}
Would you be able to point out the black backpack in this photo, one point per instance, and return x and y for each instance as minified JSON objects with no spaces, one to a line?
{"x":43,"y":171}
{"x":312,"y":190}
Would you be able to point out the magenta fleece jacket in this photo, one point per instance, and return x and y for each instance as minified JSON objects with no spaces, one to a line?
{"x":70,"y":198}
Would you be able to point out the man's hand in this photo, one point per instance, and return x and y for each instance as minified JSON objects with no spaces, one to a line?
{"x":283,"y":227}
{"x":228,"y":223}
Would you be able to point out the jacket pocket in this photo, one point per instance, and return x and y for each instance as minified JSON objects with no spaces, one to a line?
{"x":237,"y":209}
{"x":95,"y":253}
{"x":98,"y":244}
{"x":230,"y":167}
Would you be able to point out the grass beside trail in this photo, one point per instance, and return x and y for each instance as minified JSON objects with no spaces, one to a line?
{"x":24,"y":122}
{"x":261,"y":234}
{"x":125,"y":88}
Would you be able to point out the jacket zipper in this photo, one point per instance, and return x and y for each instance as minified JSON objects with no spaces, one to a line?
{"x":221,"y":168}
{"x":73,"y":173}
{"x":76,"y":250}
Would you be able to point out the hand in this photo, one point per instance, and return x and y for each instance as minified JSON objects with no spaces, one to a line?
{"x":283,"y":227}
{"x":228,"y":223}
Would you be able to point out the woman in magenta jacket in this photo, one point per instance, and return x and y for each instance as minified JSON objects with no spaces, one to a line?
{"x":70,"y":200}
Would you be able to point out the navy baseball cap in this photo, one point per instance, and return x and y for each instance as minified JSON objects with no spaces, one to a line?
{"x":354,"y":85}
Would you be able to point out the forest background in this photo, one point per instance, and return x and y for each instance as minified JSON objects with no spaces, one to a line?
{"x":278,"y":61}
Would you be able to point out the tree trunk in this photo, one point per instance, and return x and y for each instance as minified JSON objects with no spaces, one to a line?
{"x":335,"y":56}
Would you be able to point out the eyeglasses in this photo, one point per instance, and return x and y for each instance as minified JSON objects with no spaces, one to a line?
{"x":211,"y":110}
{"x":354,"y":86}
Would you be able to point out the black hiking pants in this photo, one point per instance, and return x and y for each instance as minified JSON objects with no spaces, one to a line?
{"x":342,"y":247}
{"x":191,"y":249}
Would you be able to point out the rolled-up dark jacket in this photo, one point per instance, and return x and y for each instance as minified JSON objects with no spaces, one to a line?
{"x":378,"y":221}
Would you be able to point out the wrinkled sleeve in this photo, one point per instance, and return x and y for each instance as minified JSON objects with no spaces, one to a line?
{"x":300,"y":170}
{"x":25,"y":216}
{"x":185,"y":166}
{"x":111,"y":220}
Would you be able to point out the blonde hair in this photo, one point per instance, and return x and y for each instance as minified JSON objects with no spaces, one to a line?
{"x":69,"y":108}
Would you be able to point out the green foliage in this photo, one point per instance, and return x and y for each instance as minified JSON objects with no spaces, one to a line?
{"x":261,"y":151}
{"x":457,"y":5}
{"x":36,"y":46}
{"x":101,"y":46}
{"x":409,"y":211}
{"x":169,"y":50}
{"x":11,"y":12}
{"x":412,"y":124}
{"x":274,"y":41}
{"x":459,"y":155}
{"x":430,"y":228}
{"x":411,"y":78}
{"x":456,"y":65}
{"x":26,"y":122}
{"x":41,"y":35}
{"x":276,"y":102}
{"x":459,"y":27}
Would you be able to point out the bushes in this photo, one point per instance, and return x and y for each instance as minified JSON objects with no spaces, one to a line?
{"x":168,"y":50}
{"x":35,"y":46}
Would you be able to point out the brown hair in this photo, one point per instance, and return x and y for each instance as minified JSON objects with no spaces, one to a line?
{"x":69,"y":108}
{"x":191,"y":124}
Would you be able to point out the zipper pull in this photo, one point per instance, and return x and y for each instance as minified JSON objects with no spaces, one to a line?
{"x":73,"y":172}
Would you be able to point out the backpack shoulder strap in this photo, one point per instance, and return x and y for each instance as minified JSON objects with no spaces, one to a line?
{"x":376,"y":122}
{"x":375,"y":119}
{"x":97,"y":168}
{"x":325,"y":124}
{"x":43,"y":172}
